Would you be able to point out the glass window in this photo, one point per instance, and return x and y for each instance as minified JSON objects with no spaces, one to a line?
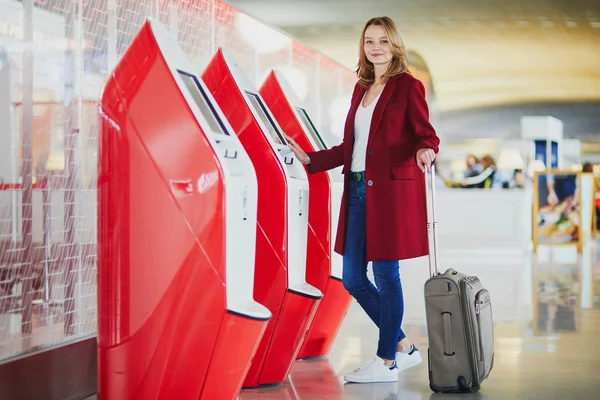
{"x":206,"y":108}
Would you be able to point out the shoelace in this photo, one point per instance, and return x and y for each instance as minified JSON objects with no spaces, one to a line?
{"x":367,"y":364}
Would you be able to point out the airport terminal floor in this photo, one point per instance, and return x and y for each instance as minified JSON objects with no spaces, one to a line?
{"x":546,"y":344}
{"x":547,"y":334}
{"x":546,"y":348}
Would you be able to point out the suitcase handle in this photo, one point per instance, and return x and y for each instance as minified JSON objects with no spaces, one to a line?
{"x":432,"y":237}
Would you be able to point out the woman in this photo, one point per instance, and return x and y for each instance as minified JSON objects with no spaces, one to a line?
{"x":387,"y":139}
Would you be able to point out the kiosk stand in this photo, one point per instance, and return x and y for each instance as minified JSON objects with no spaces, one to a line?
{"x":177,"y":199}
{"x":324,"y":266}
{"x":280,"y":278}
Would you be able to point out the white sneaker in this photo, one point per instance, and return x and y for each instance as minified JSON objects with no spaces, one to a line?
{"x":408,"y":360}
{"x":373,"y":371}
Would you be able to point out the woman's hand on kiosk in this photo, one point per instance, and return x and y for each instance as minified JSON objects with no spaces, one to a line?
{"x":300,"y":154}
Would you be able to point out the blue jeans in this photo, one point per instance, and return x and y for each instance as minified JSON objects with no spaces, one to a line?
{"x":384,"y":304}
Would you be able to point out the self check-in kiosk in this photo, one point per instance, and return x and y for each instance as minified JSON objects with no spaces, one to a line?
{"x":177,"y":197}
{"x":283,"y":195}
{"x":324,"y":266}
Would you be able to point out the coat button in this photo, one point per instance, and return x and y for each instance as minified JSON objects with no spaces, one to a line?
{"x":370,"y":183}
{"x":369,"y":152}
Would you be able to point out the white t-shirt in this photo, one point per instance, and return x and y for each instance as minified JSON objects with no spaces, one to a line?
{"x":362,"y":125}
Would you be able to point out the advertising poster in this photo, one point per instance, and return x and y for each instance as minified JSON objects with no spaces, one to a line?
{"x":557,"y":208}
{"x":541,"y":153}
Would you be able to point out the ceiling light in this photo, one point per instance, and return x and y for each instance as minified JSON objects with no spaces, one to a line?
{"x":510,"y":159}
{"x":547,"y":24}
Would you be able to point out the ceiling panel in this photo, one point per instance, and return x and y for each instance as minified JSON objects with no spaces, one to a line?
{"x":290,"y":13}
{"x":480,"y":53}
{"x":479,"y":66}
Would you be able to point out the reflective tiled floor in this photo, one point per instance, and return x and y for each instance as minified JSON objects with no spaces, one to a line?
{"x":547,"y":314}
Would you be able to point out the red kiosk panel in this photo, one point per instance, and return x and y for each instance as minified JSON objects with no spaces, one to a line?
{"x":163,"y":309}
{"x":279,"y":282}
{"x":292,"y":116}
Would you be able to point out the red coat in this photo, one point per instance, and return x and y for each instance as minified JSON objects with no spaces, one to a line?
{"x":396,"y":209}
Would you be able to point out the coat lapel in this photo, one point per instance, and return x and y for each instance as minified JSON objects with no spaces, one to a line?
{"x":349,"y":129}
{"x":385,"y":97}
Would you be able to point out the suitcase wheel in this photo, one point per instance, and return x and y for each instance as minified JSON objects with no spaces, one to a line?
{"x":464,"y":388}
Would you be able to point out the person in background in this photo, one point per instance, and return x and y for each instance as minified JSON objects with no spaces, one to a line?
{"x":474,"y":166}
{"x":388,"y":144}
{"x":485,"y":178}
{"x":519,"y":180}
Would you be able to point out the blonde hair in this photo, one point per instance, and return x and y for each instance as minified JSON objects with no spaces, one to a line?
{"x":399,"y":62}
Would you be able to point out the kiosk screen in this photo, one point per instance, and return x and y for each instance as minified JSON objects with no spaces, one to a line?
{"x":261,"y":110}
{"x":206,"y":108}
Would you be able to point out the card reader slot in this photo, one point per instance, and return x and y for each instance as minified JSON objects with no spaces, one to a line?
{"x":229,"y":155}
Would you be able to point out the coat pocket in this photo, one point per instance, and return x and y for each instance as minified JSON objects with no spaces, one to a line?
{"x":403,"y":172}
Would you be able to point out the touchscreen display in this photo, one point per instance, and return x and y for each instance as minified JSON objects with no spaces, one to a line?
{"x":207,"y":109}
{"x":311,"y":128}
{"x":265,"y":118}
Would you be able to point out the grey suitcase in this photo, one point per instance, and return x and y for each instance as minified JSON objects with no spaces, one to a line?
{"x":460,"y":325}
